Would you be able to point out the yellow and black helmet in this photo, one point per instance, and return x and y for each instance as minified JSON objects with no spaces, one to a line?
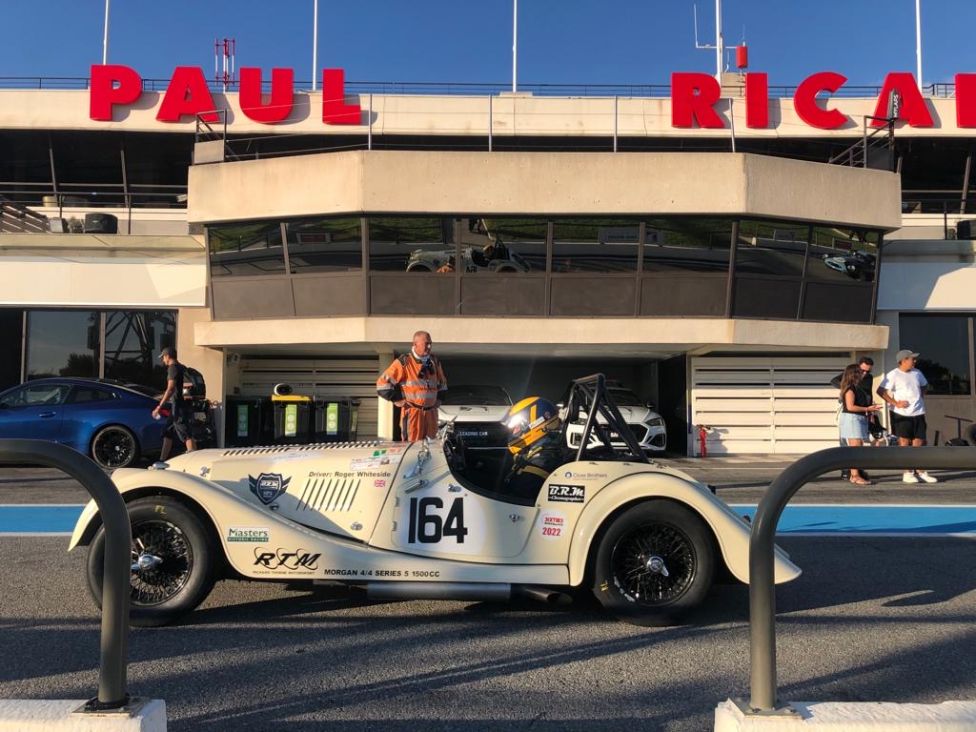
{"x":528,"y":421}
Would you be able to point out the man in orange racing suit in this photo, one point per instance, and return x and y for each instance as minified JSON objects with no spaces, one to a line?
{"x":414,"y":382}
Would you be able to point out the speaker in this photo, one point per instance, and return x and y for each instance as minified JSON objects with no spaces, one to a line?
{"x":966,"y":229}
{"x":99,"y":223}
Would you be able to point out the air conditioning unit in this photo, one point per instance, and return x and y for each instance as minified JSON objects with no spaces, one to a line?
{"x":966,"y":229}
{"x":100,"y":223}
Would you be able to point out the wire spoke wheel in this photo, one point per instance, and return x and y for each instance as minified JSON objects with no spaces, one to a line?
{"x":114,"y":447}
{"x":654,"y":564}
{"x":162,"y":562}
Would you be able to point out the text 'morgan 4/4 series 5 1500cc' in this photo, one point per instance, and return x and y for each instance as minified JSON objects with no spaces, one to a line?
{"x":416,"y":521}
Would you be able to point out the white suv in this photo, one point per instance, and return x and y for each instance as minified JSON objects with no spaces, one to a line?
{"x":646,"y":424}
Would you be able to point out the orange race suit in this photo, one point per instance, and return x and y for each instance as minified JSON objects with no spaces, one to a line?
{"x":418,"y":382}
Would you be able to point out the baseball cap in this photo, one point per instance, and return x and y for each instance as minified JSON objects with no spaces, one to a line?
{"x":903,"y":354}
{"x":168,"y":351}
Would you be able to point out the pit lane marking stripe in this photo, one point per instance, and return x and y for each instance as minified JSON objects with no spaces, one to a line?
{"x":39,"y":519}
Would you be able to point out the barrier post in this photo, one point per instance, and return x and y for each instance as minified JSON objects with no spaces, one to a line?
{"x":762,"y":597}
{"x":112,"y":692}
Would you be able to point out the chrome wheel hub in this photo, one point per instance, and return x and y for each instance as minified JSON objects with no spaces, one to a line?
{"x":656,"y":565}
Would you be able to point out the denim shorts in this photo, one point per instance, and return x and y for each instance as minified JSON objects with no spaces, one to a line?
{"x":853,"y":426}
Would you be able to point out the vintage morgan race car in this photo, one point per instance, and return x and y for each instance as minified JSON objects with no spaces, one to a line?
{"x":416,"y":521}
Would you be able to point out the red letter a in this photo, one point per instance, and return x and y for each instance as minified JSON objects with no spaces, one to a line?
{"x":187,"y":95}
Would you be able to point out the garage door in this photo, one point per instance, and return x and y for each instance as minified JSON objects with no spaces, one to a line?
{"x":334,"y":378}
{"x":779,"y":405}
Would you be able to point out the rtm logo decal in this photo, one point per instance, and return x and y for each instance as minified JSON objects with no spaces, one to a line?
{"x":427,"y":527}
{"x":567,"y":493}
{"x":268,"y":486}
{"x":298,"y":560}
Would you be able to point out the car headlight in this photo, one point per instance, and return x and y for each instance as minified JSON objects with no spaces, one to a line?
{"x":656,"y":422}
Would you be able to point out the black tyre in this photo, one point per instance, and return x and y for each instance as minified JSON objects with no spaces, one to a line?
{"x":173,"y":559}
{"x":114,"y":447}
{"x":654,"y":563}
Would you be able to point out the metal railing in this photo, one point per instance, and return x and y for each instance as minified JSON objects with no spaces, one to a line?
{"x":945,"y":90}
{"x":112,"y":692}
{"x":762,"y":594}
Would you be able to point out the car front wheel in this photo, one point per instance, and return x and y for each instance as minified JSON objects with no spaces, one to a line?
{"x":173,"y":561}
{"x":654,"y":563}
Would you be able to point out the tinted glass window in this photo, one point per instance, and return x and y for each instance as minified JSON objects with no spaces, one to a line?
{"x":595,"y":245}
{"x":771,"y":248}
{"x":626,"y":398}
{"x":324,"y":245}
{"x":843,"y":255}
{"x":133,"y":340}
{"x":11,"y":346}
{"x":62,"y":343}
{"x":407,"y":244}
{"x":943,"y":342}
{"x":35,"y":395}
{"x":476,"y":396}
{"x":687,"y":244}
{"x":505,"y":245}
{"x":252,"y":248}
{"x":88,"y":394}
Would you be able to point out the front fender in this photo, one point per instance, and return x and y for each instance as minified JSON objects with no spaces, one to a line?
{"x":129,"y":480}
{"x":731,"y":532}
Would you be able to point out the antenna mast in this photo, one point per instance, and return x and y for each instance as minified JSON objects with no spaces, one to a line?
{"x":225,"y":52}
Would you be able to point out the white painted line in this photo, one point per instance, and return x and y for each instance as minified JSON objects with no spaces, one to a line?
{"x":5,"y":534}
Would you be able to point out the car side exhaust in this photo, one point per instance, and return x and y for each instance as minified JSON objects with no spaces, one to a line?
{"x":542,"y":594}
{"x":495,"y":591}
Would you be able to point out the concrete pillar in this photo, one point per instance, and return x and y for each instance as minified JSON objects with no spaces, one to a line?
{"x":208,"y":361}
{"x":384,"y":416}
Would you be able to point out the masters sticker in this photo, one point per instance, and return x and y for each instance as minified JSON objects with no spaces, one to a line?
{"x":249,"y":535}
{"x":567,"y":493}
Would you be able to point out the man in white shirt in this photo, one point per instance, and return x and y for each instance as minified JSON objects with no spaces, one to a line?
{"x":903,"y":388}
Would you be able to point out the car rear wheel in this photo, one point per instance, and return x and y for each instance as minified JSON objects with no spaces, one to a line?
{"x":654,"y":563}
{"x":114,"y":447}
{"x":173,"y":561}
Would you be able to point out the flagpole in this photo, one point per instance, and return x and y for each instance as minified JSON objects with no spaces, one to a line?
{"x":918,"y":42}
{"x":105,"y":36}
{"x":514,"y":46}
{"x":315,"y":44}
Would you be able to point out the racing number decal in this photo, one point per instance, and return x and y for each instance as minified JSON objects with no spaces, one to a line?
{"x":427,"y":526}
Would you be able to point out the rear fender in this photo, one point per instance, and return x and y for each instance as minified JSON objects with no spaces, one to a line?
{"x":731,"y":532}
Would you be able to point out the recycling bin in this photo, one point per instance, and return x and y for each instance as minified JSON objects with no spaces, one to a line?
{"x":292,"y":419}
{"x":247,"y":421}
{"x":335,"y":420}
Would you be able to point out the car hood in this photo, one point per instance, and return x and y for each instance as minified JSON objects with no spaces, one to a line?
{"x":473,"y":413}
{"x":631,"y":415}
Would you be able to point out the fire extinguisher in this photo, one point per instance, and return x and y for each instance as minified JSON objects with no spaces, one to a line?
{"x":702,"y":440}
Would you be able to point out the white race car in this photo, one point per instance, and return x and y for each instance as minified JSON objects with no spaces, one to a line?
{"x":495,"y":258}
{"x":409,"y":521}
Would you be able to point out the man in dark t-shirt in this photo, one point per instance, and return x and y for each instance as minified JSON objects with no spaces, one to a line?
{"x":178,"y":425}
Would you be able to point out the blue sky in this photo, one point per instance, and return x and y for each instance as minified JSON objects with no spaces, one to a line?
{"x":560,"y":41}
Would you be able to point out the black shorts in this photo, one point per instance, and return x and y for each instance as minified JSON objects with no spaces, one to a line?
{"x":178,"y":428}
{"x":908,"y":428}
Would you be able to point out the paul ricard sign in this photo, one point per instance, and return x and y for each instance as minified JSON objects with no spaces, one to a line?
{"x":694,"y":98}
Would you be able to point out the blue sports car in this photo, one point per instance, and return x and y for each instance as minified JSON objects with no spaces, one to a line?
{"x":108,"y":421}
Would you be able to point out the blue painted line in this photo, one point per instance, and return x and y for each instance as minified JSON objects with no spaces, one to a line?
{"x":34,"y":519}
{"x":873,"y":519}
{"x":797,"y":519}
